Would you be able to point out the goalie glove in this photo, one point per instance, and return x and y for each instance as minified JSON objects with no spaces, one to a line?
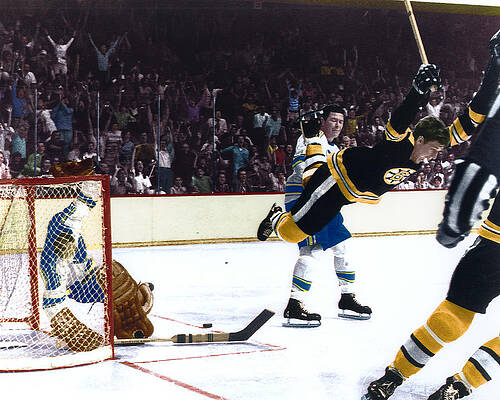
{"x":426,"y":77}
{"x":130,"y":306}
{"x":469,"y":194}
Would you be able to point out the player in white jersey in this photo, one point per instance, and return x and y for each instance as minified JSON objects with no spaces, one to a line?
{"x":331,"y":237}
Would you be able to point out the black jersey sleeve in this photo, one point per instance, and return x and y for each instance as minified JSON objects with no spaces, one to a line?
{"x":397,"y":127}
{"x":490,"y":228}
{"x":463,"y":127}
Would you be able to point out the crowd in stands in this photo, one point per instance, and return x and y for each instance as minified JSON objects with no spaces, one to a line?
{"x":134,"y":89}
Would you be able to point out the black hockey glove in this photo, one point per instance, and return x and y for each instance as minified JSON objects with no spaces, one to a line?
{"x":469,"y":194}
{"x":310,"y":123}
{"x":494,"y":46}
{"x":426,"y":77}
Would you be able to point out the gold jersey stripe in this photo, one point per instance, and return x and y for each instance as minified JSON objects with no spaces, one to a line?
{"x":475,"y":117}
{"x":314,"y":148}
{"x":456,"y":129}
{"x":346,"y":186}
{"x":393,"y":135}
{"x":490,"y":231}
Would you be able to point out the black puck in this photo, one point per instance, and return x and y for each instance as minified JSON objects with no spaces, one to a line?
{"x":207,"y":325}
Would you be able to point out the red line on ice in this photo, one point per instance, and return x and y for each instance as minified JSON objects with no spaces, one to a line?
{"x":212,"y":355}
{"x":174,"y":381}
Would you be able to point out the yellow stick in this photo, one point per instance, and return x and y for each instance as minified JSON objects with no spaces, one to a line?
{"x":416,"y":35}
{"x":416,"y":32}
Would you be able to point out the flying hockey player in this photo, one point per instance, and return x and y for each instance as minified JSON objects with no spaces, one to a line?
{"x":331,"y":237}
{"x":361,"y":174}
{"x":475,"y":281}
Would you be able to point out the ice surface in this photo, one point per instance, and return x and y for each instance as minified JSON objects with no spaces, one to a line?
{"x":403,"y":279}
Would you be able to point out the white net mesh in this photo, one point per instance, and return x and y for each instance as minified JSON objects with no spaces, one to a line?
{"x":53,"y":277}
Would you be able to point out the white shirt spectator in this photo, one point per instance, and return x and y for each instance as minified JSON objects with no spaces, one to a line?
{"x":142,"y":183}
{"x":258,"y":119}
{"x":60,"y":49}
{"x":29,"y":79}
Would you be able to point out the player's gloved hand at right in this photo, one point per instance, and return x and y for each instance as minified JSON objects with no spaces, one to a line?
{"x":426,"y":77}
{"x":494,"y":46}
{"x":468,"y":196}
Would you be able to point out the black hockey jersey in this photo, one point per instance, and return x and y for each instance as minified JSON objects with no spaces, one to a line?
{"x":364,"y":174}
{"x":490,"y":228}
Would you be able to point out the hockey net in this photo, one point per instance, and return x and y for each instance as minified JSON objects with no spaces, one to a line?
{"x":54,"y":240}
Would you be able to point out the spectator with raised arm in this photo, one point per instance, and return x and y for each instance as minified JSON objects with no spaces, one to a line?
{"x":62,"y":115}
{"x":240,"y":155}
{"x":60,"y":65}
{"x":103,"y":54}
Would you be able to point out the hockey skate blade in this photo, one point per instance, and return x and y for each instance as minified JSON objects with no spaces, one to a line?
{"x":359,"y":317}
{"x":299,"y":323}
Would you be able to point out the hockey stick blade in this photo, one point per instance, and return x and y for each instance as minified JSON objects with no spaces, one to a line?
{"x":239,"y":336}
{"x":252,"y":327}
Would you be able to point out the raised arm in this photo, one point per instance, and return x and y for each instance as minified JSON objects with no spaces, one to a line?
{"x":427,"y":76}
{"x":465,"y":125}
{"x":92,"y":43}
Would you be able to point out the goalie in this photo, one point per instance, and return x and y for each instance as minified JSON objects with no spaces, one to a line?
{"x":68,"y":272}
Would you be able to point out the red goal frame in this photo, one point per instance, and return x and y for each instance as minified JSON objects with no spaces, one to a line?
{"x":29,"y":185}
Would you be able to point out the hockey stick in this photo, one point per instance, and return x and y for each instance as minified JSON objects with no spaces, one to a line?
{"x":416,"y":35}
{"x":239,"y":336}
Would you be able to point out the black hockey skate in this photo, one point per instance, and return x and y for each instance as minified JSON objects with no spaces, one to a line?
{"x":384,"y":387}
{"x":351,"y":309}
{"x":453,"y":389}
{"x":298,"y":316}
{"x":266,"y":226}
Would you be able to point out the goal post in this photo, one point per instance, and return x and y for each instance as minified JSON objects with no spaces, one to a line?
{"x":55,"y":272}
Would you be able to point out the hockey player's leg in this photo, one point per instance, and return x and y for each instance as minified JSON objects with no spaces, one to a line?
{"x":478,"y":370}
{"x":348,"y":305}
{"x":446,"y":324}
{"x":296,"y":313}
{"x":282,"y":223}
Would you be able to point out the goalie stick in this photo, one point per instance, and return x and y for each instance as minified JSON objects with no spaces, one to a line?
{"x":239,"y":336}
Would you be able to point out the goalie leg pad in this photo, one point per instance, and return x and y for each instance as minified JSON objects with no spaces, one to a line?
{"x":77,"y":336}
